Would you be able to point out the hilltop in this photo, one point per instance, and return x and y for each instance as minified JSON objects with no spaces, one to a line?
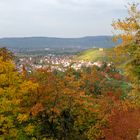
{"x":53,"y":42}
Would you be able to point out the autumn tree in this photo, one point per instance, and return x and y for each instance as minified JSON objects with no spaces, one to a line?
{"x":129,"y":26}
{"x":129,"y":34}
{"x":6,"y":54}
{"x":59,"y":103}
{"x":125,"y":30}
{"x":14,"y":92}
{"x":128,"y":53}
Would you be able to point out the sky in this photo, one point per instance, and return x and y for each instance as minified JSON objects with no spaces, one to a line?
{"x":59,"y":18}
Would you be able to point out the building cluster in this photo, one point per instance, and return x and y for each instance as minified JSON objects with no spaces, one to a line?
{"x":54,"y":62}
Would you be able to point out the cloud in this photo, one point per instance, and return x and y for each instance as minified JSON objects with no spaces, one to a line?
{"x":63,"y":18}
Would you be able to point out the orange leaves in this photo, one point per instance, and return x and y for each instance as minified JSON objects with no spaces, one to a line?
{"x":128,"y":29}
{"x":6,"y":54}
{"x":55,"y":110}
{"x":124,"y":25}
{"x":1,"y":91}
{"x":123,"y":125}
{"x":36,"y":109}
{"x":59,"y":105}
{"x":130,"y":24}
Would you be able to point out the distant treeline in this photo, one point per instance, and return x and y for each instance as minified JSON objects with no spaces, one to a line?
{"x":52,"y":42}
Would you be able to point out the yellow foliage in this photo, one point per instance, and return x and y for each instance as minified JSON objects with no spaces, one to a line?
{"x":29,"y":129}
{"x":23,"y":117}
{"x":1,"y":91}
{"x":95,"y":132}
{"x":13,"y":132}
{"x":27,"y":86}
{"x":129,"y":26}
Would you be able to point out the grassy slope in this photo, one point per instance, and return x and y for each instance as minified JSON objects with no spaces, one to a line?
{"x":94,"y":54}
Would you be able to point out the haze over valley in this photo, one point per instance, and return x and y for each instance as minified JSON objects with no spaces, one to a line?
{"x":55,"y":45}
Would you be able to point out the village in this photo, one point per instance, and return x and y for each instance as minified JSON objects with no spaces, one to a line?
{"x":54,"y":62}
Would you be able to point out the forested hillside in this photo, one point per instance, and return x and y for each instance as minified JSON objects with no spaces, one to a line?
{"x":52,"y":42}
{"x":90,"y":103}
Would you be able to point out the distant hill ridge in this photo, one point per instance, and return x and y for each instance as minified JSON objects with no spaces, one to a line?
{"x":54,"y":42}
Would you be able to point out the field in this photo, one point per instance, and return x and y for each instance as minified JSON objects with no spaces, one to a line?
{"x":95,"y":54}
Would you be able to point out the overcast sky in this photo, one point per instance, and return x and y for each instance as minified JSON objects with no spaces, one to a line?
{"x":59,"y":18}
